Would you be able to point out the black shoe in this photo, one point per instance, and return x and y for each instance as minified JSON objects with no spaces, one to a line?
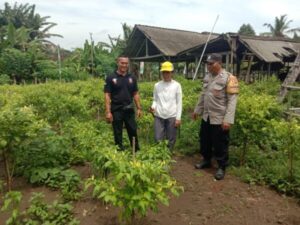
{"x":202,"y":165}
{"x":220,"y":174}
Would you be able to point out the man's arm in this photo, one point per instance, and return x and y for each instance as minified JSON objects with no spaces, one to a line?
{"x":136,"y":98}
{"x":108,"y":114}
{"x":199,"y":106}
{"x":232,"y":90}
{"x":179,"y":106}
{"x":155,"y":98}
{"x":230,"y":111}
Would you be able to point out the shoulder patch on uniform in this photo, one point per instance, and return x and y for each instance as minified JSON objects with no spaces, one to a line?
{"x":232,"y":85}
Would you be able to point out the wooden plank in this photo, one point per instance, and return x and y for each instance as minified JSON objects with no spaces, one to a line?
{"x":292,"y":114}
{"x":292,"y":76}
{"x":146,"y":57}
{"x":289,"y":87}
{"x":294,"y":108}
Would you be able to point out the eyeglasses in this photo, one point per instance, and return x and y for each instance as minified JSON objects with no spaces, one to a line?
{"x":210,"y":63}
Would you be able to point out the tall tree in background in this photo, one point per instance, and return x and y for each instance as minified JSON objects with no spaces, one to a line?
{"x":24,"y":17}
{"x":23,"y":41}
{"x":103,"y":59}
{"x":281,"y":26}
{"x":118,"y":44}
{"x":99,"y":59}
{"x":246,"y":29}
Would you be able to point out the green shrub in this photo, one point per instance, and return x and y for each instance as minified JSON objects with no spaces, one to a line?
{"x":4,"y":79}
{"x":135,"y":185}
{"x":38,"y":212}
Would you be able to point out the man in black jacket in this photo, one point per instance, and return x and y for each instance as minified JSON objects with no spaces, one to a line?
{"x":121,"y":90}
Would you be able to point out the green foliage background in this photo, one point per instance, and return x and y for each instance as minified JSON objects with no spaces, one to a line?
{"x":66,"y":125}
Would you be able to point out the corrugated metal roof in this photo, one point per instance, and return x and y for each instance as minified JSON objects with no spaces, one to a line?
{"x":179,"y":43}
{"x":270,"y":49}
{"x":170,"y":41}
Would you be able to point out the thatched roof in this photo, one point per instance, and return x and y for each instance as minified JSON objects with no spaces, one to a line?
{"x":162,"y":42}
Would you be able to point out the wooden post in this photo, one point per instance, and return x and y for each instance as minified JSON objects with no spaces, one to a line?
{"x":234,"y":70}
{"x":261,"y":71}
{"x":241,"y":75}
{"x":231,"y":56}
{"x":186,"y":69}
{"x":232,"y":53}
{"x":269,"y":69}
{"x":247,"y":80}
{"x":227,"y":62}
{"x":238,"y":66}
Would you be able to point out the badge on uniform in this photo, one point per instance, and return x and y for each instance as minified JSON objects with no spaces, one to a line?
{"x":130,"y":80}
{"x":232,"y":85}
{"x":114,"y":80}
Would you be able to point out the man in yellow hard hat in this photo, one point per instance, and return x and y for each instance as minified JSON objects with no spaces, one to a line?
{"x":167,"y":106}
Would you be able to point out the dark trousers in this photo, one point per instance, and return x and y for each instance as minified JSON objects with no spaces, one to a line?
{"x":213,"y":137}
{"x":165,"y":129}
{"x":120,"y":118}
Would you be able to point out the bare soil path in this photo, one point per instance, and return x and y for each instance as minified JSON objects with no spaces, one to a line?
{"x":204,"y":201}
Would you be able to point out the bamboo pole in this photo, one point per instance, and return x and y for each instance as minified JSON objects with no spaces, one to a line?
{"x":197,"y":67}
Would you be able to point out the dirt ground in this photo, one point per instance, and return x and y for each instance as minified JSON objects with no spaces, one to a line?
{"x":204,"y":201}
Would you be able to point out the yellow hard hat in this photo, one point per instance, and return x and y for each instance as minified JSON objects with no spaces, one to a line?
{"x":167,"y":66}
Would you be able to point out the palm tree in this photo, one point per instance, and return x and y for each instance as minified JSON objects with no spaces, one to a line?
{"x":281,"y":27}
{"x":25,"y":16}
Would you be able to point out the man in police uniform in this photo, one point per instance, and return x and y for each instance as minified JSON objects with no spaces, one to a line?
{"x":120,"y":91}
{"x":216,"y":106}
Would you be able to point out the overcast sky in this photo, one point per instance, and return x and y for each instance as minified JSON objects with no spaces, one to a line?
{"x":77,"y":18}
